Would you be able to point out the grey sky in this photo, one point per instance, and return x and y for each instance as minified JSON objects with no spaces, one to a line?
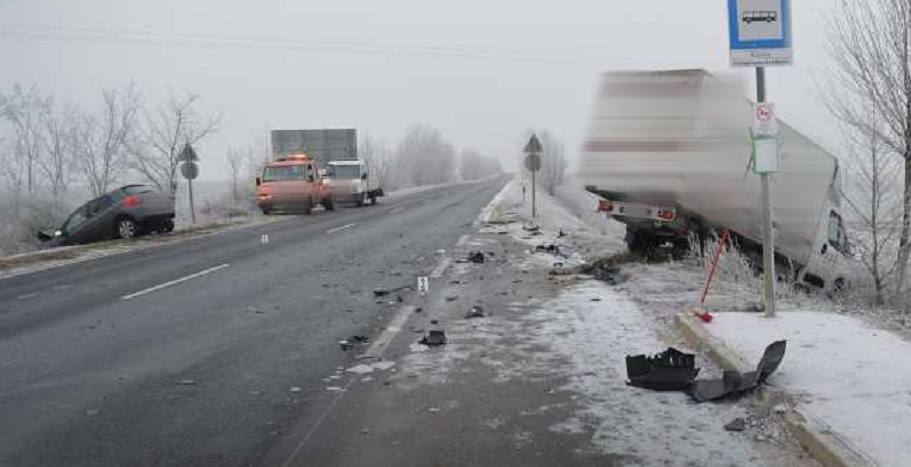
{"x":299,"y":64}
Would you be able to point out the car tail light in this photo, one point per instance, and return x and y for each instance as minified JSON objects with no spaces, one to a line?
{"x":605,"y":205}
{"x":131,"y":201}
{"x":667,"y":214}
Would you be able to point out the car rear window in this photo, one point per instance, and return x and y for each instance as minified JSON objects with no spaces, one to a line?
{"x":137,"y":189}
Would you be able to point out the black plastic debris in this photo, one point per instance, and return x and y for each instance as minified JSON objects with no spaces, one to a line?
{"x":351,"y":342}
{"x":434,"y":338}
{"x":561,"y":233}
{"x":610,"y":275}
{"x":381,"y":292}
{"x":733,"y":382}
{"x":737,"y":424}
{"x":552,"y":249}
{"x":475,"y":312}
{"x":671,"y":370}
{"x":476,"y":257}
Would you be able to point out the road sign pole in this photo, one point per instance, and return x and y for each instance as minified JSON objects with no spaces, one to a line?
{"x":192,"y":209}
{"x":534,"y":189}
{"x":768,"y":242}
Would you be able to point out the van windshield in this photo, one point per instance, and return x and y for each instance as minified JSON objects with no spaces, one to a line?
{"x":344,"y":172}
{"x":288,"y":172}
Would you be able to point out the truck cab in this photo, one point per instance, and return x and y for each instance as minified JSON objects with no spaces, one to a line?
{"x":292,"y":183}
{"x":350,"y":182}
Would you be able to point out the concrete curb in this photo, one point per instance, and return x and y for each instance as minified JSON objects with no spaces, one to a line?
{"x":819,"y":441}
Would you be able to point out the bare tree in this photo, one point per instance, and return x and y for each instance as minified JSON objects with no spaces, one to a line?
{"x":476,"y":166}
{"x":877,"y":208}
{"x":22,"y":108}
{"x":870,"y":44}
{"x":55,"y":137}
{"x":376,"y":157}
{"x":236,"y":159}
{"x":168,"y":129}
{"x":100,"y":142}
{"x":423,"y":157}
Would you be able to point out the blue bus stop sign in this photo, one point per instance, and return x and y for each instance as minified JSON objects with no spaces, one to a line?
{"x":760,"y":32}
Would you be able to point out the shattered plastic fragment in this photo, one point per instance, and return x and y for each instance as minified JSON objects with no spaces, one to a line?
{"x":434,"y":338}
{"x":671,"y":370}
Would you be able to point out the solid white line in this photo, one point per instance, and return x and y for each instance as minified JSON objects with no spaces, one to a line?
{"x":176,"y":281}
{"x":379,"y":345}
{"x":462,"y":240}
{"x":339,"y":229}
{"x":440,"y":268}
{"x":395,"y":210}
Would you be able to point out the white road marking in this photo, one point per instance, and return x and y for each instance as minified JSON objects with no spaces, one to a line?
{"x":440,"y":268}
{"x":339,"y":229}
{"x":27,"y":296}
{"x":379,"y":345}
{"x":395,"y":210}
{"x":174,"y":282}
{"x":462,"y":240}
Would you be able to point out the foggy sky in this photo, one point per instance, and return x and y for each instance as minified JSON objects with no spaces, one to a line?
{"x":479,"y":71}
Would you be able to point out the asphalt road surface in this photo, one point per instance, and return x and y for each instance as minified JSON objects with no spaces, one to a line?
{"x":201,"y":352}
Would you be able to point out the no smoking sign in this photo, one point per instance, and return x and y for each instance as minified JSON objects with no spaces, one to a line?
{"x":764,"y":122}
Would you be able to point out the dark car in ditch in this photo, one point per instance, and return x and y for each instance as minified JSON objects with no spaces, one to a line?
{"x":126,"y":212}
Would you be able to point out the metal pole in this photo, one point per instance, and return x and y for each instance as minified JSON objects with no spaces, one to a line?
{"x":768,"y":245}
{"x":192,"y":209}
{"x":534,"y":189}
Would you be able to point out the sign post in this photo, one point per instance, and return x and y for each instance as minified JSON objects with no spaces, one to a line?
{"x":760,"y":36}
{"x":190,"y":171}
{"x":533,"y":164}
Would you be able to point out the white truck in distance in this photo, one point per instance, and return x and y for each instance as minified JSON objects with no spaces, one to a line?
{"x":349,"y":182}
{"x":669,"y":153}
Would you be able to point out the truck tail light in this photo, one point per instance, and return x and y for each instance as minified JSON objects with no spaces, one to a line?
{"x":605,"y":205}
{"x":131,"y":201}
{"x":667,"y":214}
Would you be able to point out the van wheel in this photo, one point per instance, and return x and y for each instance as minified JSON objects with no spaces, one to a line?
{"x":127,"y":228}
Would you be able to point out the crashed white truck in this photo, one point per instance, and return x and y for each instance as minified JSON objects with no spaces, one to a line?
{"x":348,"y":177}
{"x":669,"y":153}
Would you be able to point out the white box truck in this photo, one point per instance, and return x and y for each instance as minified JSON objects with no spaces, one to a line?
{"x":669,"y":152}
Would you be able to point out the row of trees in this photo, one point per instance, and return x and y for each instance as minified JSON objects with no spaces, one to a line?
{"x":49,"y":146}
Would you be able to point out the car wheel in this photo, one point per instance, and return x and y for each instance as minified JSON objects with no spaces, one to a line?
{"x":127,"y":228}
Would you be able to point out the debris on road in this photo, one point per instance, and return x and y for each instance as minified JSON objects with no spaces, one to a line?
{"x":295,"y":389}
{"x":673,"y":370}
{"x":452,"y":298}
{"x":91,"y":412}
{"x":352,"y":342}
{"x":385,"y":292}
{"x":433,"y":409}
{"x":667,"y":371}
{"x":434,"y":338}
{"x":476,"y":257}
{"x":187,"y":382}
{"x":475,"y":312}
{"x":418,"y":347}
{"x":334,"y":388}
{"x":733,"y":382}
{"x":433,"y":321}
{"x":737,"y":424}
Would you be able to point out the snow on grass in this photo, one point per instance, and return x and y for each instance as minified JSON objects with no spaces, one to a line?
{"x":849,"y":376}
{"x":655,"y":428}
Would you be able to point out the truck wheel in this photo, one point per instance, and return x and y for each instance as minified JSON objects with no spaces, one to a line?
{"x":638,"y":244}
{"x":308,"y":208}
{"x":167,"y":226}
{"x":362,"y":200}
{"x":373,"y":199}
{"x":329,"y":204}
{"x":266,"y":211}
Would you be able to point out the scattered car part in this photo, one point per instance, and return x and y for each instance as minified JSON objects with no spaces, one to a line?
{"x":475,"y":312}
{"x":476,"y":257}
{"x":733,"y":382}
{"x":671,"y":370}
{"x":737,"y":424}
{"x":434,"y":338}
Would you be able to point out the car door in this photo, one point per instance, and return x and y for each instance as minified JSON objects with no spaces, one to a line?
{"x":73,"y":230}
{"x":100,"y":223}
